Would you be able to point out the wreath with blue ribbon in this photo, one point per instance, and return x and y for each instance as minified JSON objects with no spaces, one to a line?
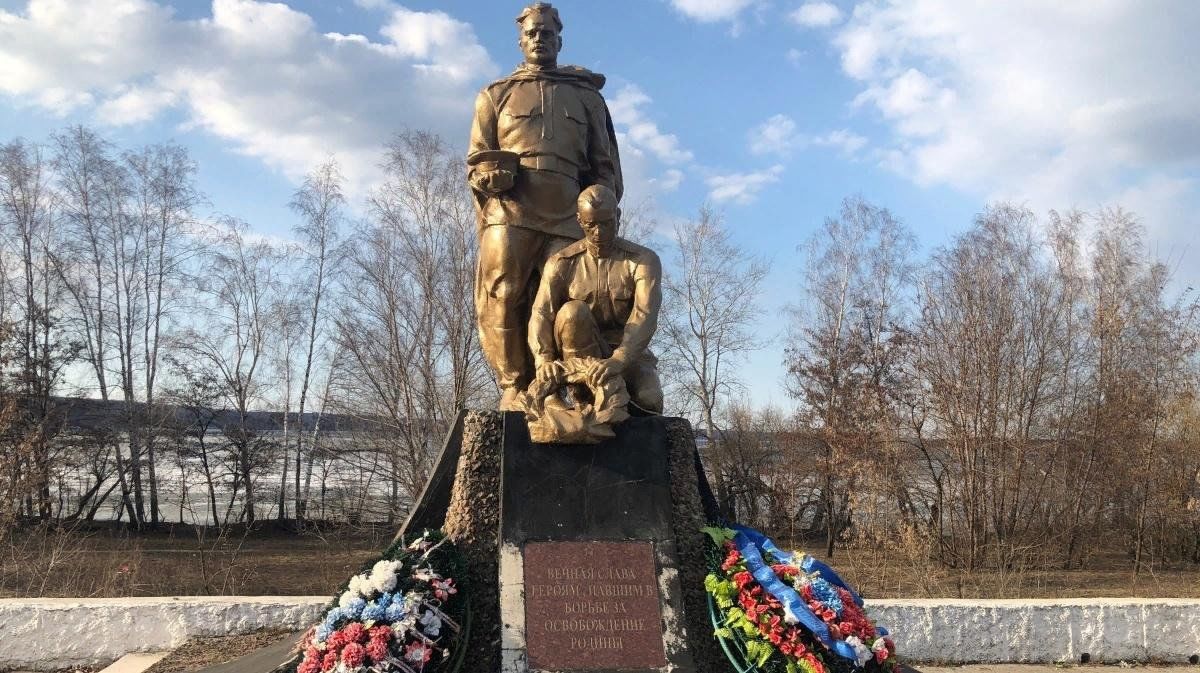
{"x":780,"y":612}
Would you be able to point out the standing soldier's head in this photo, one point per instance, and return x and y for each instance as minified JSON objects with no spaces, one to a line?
{"x":540,"y":34}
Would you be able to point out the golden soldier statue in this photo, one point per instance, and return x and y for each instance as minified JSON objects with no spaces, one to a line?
{"x":539,"y":137}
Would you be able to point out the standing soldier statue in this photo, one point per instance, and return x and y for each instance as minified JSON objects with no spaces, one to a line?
{"x":539,"y":137}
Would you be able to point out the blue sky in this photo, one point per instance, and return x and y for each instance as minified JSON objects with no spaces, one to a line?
{"x":770,"y":110}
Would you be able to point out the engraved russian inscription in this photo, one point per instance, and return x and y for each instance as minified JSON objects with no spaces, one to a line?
{"x":591,"y":606}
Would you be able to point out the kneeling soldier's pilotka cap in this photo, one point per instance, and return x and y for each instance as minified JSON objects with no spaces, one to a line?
{"x":597,"y":203}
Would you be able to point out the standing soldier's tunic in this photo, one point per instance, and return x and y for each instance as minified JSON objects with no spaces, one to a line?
{"x":557,"y":122}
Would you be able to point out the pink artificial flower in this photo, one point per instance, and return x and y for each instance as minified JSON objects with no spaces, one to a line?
{"x":443,"y":589}
{"x":330,"y":661}
{"x":418,"y":653}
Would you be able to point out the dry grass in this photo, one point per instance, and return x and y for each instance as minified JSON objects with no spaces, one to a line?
{"x":906,"y":572}
{"x":110,"y":562}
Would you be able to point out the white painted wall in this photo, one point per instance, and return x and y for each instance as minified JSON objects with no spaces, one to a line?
{"x":54,"y":633}
{"x":1045,"y":631}
{"x":47,"y":634}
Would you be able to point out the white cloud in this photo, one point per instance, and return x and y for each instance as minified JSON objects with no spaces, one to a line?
{"x":629,"y":117}
{"x":257,"y":74}
{"x":741,"y":188}
{"x":816,"y":14}
{"x":1050,"y":104}
{"x":843,"y":140}
{"x":670,"y":180}
{"x":645,"y":147}
{"x":778,"y":136}
{"x":711,"y":11}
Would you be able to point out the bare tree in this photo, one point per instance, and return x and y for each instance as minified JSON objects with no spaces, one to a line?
{"x":320,"y":203}
{"x":242,"y":289}
{"x":843,"y":360}
{"x":406,"y":322}
{"x":29,"y":239}
{"x":164,"y":194}
{"x":710,"y":302}
{"x":127,"y":222}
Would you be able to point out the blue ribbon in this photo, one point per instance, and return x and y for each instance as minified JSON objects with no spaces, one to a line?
{"x":747,"y":542}
{"x":808,"y":565}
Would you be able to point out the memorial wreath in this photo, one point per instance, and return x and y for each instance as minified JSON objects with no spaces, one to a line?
{"x":780,"y":612}
{"x":405,"y":613}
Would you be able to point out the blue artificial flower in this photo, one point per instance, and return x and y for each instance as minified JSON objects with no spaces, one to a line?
{"x":397,"y":610}
{"x":355,"y":608}
{"x":332,"y":617}
{"x":825,"y":593}
{"x":373,"y":612}
{"x":384,"y":600}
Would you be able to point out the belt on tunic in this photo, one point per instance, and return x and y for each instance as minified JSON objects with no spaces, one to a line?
{"x":549,"y":162}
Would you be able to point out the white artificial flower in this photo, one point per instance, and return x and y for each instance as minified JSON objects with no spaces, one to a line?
{"x":426,"y":575}
{"x":862,"y":654}
{"x":356,"y":585}
{"x":347,"y":596}
{"x":405,"y":625}
{"x":383,"y":576}
{"x":413,"y":601}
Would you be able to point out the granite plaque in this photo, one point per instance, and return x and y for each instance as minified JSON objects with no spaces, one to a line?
{"x":592,"y":606}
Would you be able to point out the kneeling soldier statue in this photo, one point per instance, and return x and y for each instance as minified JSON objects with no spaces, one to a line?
{"x":595,"y":312}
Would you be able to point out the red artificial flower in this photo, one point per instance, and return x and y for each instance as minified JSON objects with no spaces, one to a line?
{"x":380,"y":632}
{"x":891,"y":646}
{"x":355,"y":633}
{"x":330,"y":661}
{"x":741,"y":579}
{"x":880,"y":655}
{"x":785,"y":570}
{"x":311,"y":663}
{"x":337,"y":640}
{"x":377,"y":649}
{"x":354,"y":654}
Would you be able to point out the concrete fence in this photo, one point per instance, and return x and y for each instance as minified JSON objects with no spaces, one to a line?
{"x":49,"y":634}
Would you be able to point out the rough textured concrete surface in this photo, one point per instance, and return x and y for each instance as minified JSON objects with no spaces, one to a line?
{"x":687,"y":518}
{"x":1042,"y":631}
{"x":57,"y":633}
{"x":54,"y":634}
{"x":472,"y":522}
